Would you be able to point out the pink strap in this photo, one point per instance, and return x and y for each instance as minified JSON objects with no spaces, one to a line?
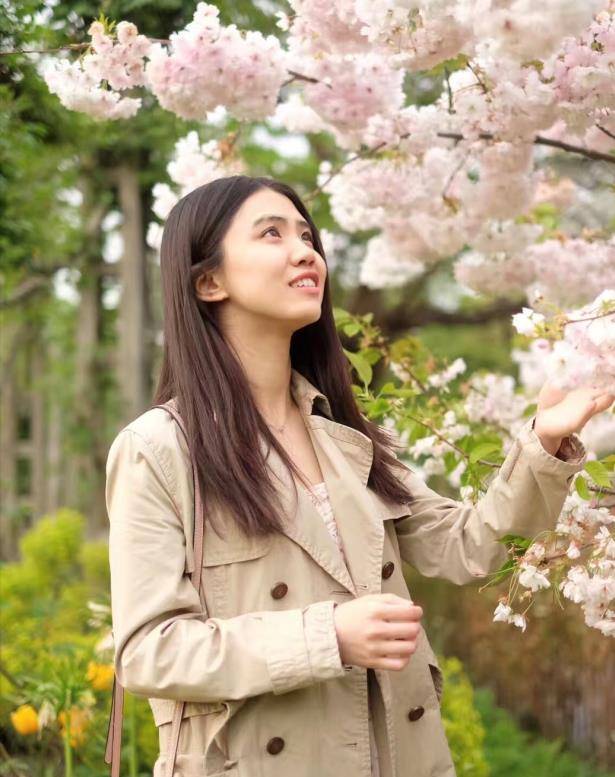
{"x":114,"y":732}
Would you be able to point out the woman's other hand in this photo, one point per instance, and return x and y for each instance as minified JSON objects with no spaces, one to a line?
{"x":377,"y":631}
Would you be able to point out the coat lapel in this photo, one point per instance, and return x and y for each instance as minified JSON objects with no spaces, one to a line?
{"x":345,"y":456}
{"x":304,"y":524}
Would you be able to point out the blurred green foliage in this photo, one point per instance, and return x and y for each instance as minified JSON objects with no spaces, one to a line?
{"x":512,"y":752}
{"x":49,"y":637}
{"x":462,"y":723}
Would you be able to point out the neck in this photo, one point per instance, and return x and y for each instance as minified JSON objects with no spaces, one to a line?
{"x":265,"y":359}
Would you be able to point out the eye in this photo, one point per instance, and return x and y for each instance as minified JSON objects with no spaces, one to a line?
{"x":308,"y":234}
{"x":269,"y":230}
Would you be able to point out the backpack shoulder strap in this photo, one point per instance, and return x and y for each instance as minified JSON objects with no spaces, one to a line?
{"x":114,"y":731}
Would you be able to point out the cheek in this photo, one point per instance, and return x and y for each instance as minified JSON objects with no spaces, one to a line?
{"x":257,"y":280}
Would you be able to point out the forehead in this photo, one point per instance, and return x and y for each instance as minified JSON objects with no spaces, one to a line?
{"x":262,"y":203}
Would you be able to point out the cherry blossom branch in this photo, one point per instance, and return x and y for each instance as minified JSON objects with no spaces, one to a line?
{"x":542,"y":141}
{"x":606,"y":131}
{"x":602,"y":490}
{"x":300,"y":77}
{"x":538,"y":140}
{"x":496,"y":424}
{"x":451,"y":177}
{"x":481,"y":83}
{"x":449,"y":92}
{"x":546,"y":560}
{"x":590,"y":318}
{"x":67,"y":47}
{"x":358,"y":155}
{"x":424,"y":388}
{"x":448,"y":442}
{"x":539,"y":562}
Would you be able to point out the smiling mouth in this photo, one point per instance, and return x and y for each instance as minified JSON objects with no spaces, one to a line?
{"x":305,"y":288}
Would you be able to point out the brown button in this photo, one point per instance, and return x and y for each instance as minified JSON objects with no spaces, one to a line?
{"x":275,"y":745}
{"x":279,"y":590}
{"x":387,"y":569}
{"x":416,"y":713}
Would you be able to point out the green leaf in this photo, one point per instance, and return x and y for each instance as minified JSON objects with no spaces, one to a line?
{"x":351,"y":329}
{"x":483,"y":450}
{"x":580,"y":485}
{"x":599,"y":473}
{"x":341,"y":316}
{"x":503,"y":572}
{"x":362,"y":367}
{"x":387,"y":388}
{"x":609,"y":461}
{"x":406,"y":392}
{"x":371,"y":355}
{"x":378,"y":407}
{"x":515,"y":541}
{"x":450,"y":461}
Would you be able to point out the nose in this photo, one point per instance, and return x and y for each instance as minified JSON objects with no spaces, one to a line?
{"x":301,"y":251}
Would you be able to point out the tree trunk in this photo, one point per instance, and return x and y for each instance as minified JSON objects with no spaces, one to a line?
{"x":85,"y":478}
{"x":12,"y":335}
{"x":132,"y":362}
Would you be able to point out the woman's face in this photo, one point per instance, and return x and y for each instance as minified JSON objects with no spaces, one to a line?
{"x":267,"y":245}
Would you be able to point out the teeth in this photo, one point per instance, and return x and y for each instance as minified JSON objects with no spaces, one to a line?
{"x":304,"y":282}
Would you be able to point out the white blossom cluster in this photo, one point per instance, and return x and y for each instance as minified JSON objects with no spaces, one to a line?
{"x":120,"y":63}
{"x":586,"y":353}
{"x":193,"y":164}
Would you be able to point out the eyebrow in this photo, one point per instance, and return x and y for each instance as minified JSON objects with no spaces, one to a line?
{"x":281,"y":219}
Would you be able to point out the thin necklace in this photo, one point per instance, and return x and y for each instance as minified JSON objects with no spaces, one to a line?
{"x":280,"y":429}
{"x":310,"y":491}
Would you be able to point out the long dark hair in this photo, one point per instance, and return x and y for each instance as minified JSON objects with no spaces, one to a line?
{"x":208,"y":382}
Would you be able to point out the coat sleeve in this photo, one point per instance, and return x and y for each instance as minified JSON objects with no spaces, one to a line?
{"x":457,"y":541}
{"x":165,"y":646}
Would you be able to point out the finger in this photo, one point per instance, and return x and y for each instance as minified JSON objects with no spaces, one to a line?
{"x":603,"y":402}
{"x":400,"y":612}
{"x":391,"y":664}
{"x":400,"y":630}
{"x":607,"y":400}
{"x":395,"y":649}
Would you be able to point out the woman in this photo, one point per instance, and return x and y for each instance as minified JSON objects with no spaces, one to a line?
{"x":302,"y":654}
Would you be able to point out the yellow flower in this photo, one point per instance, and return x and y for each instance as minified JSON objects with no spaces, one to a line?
{"x":78,"y":720}
{"x":25,"y":719}
{"x":100,"y":675}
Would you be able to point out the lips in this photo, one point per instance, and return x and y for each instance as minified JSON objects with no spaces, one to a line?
{"x":303,"y":275}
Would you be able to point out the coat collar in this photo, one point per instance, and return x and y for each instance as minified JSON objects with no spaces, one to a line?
{"x":305,"y":394}
{"x":345,"y":457}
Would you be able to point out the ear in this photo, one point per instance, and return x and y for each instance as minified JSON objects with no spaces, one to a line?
{"x":209,"y":288}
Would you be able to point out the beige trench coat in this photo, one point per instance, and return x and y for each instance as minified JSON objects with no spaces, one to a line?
{"x":258,"y":662}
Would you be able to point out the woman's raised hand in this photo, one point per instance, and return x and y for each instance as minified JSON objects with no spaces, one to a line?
{"x":560,"y":413}
{"x":377,"y":631}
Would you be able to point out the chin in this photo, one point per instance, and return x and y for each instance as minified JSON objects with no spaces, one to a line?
{"x":306,"y":319}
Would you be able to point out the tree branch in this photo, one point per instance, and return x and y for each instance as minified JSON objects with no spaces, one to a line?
{"x":28,"y":288}
{"x":399,"y":319}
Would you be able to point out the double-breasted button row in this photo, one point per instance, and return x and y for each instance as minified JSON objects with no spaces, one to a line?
{"x":416,"y":713}
{"x":279,"y":590}
{"x":274,"y":745}
{"x":387,"y":569}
